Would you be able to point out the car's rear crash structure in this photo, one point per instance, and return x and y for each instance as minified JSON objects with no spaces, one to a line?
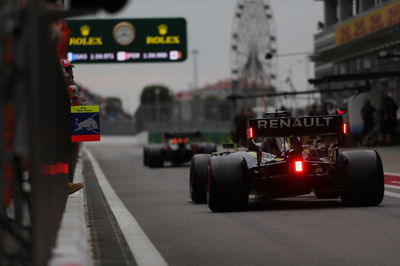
{"x":286,"y":157}
{"x":178,"y":148}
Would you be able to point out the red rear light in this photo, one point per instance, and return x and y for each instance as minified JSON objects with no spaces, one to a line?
{"x":340,"y":112}
{"x":250,"y":133}
{"x":298,"y":166}
{"x":345,"y":128}
{"x":194,"y":148}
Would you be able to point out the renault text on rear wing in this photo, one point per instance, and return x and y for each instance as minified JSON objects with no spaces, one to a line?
{"x":297,"y":126}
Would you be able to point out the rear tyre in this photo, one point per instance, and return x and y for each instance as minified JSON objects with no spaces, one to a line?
{"x":145,"y":159}
{"x":364,"y":183}
{"x":326,"y":195}
{"x":155,"y":157}
{"x":209,"y":148}
{"x":198,"y":178}
{"x":228,"y":188}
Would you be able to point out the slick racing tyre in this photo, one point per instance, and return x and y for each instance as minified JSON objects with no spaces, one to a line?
{"x":198,"y":177}
{"x":209,"y":148}
{"x":155,"y":157}
{"x":145,"y":159}
{"x":326,"y":195}
{"x":364,"y":183}
{"x":228,"y":188}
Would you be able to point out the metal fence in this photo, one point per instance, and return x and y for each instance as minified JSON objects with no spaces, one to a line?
{"x":37,"y":157}
{"x":203,"y":115}
{"x":118,"y":127}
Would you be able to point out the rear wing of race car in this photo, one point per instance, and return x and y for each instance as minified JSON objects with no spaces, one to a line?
{"x":195,"y":134}
{"x":296,"y":126}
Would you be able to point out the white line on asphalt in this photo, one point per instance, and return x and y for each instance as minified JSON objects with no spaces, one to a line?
{"x":392,"y":194}
{"x":143,"y":250}
{"x":390,"y":186}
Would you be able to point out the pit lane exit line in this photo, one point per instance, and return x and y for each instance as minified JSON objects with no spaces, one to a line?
{"x":143,"y":250}
{"x":390,"y":186}
{"x":392,"y":194}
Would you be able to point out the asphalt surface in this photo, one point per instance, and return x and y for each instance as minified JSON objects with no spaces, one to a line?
{"x":290,"y":231}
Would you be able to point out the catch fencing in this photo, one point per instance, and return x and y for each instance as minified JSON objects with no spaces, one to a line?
{"x":118,"y":127}
{"x":202,"y":115}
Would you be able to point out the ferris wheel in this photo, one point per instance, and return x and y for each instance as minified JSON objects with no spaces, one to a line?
{"x":253,"y":36}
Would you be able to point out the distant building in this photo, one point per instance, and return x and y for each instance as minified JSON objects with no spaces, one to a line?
{"x":183,"y":96}
{"x":220,"y":90}
{"x":350,"y":39}
{"x":217,"y":94}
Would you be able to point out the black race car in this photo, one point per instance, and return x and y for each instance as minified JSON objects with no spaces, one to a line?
{"x":288,"y":156}
{"x":177,"y":148}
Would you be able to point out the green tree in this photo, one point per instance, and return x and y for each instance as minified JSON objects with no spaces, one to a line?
{"x":155,"y":93}
{"x":156,"y":103}
{"x":114,"y":103}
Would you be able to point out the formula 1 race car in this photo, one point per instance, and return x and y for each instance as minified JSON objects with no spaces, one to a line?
{"x":288,"y":156}
{"x":178,"y":148}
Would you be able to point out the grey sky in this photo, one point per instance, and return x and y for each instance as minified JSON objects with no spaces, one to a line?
{"x":209,"y":30}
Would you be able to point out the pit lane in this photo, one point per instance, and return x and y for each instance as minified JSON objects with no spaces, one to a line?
{"x":292,"y":231}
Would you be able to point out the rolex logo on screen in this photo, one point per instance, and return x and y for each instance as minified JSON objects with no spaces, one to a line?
{"x":163,"y":37}
{"x":85,"y":30}
{"x":85,"y":39}
{"x":162,"y":29}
